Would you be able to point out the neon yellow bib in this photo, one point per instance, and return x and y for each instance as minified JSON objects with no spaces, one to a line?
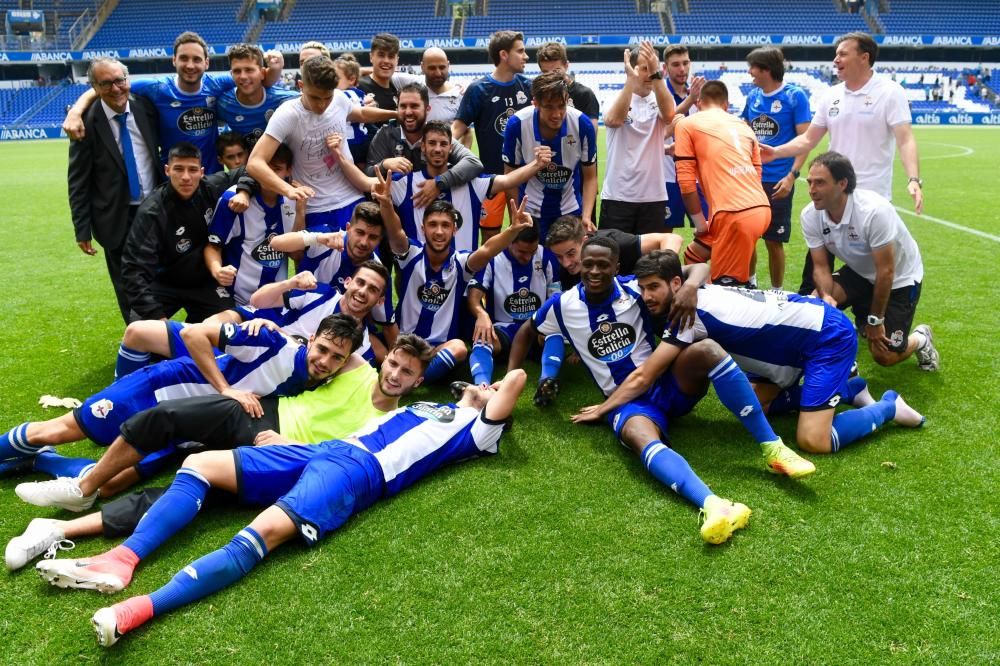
{"x":332,"y":411}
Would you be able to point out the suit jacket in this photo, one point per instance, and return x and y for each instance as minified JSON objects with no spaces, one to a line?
{"x":98,"y":183}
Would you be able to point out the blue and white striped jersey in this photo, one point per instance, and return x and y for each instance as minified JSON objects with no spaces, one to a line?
{"x":415,"y":440}
{"x":612,"y":338}
{"x":333,"y":268}
{"x":358,"y":133}
{"x":268,"y":364}
{"x":250,"y":121}
{"x":557,"y":189}
{"x":467,"y":199}
{"x":768,"y":333}
{"x":246,"y":242}
{"x":304,"y":310}
{"x":515,"y":291}
{"x":429,"y":300}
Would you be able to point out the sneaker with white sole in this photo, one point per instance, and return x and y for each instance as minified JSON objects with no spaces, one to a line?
{"x":41,"y":536}
{"x":928,"y":358}
{"x":105,"y":576}
{"x":63,"y":492}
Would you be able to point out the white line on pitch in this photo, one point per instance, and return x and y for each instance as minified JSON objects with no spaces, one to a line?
{"x":946,"y":223}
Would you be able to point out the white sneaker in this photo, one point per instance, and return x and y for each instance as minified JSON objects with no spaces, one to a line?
{"x":927,"y":356}
{"x":105,"y":623}
{"x":42,"y":536}
{"x":63,"y":492}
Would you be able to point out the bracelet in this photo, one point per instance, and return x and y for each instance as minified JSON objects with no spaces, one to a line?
{"x":309,"y":238}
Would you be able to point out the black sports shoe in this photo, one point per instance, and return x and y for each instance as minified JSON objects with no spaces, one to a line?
{"x":546,"y":392}
{"x":457,"y":389}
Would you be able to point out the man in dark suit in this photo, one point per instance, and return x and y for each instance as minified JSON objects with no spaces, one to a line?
{"x":111,"y":171}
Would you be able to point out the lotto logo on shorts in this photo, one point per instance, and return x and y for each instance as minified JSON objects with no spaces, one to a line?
{"x":102,"y":408}
{"x":834,"y":401}
{"x":309,"y":533}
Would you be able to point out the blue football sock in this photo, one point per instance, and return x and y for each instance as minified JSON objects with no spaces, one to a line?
{"x":53,"y":464}
{"x":852,"y":425}
{"x":156,"y":461}
{"x":169,"y":514}
{"x":440,"y":365}
{"x":553,"y":352}
{"x":673,"y":471}
{"x":129,"y":360}
{"x":855,"y":385}
{"x":14,"y":443}
{"x":481,"y":363}
{"x":211,"y":573}
{"x":786,"y":401}
{"x":735,"y":392}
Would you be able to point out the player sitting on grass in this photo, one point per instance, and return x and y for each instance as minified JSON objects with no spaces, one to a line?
{"x":255,"y":363}
{"x":309,"y":490}
{"x":608,"y":326}
{"x":778,"y":337}
{"x":353,"y":397}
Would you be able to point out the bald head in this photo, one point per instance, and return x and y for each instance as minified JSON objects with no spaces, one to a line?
{"x":435,"y":67}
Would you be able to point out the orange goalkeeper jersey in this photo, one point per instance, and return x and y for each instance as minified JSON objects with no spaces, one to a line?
{"x":721,"y":152}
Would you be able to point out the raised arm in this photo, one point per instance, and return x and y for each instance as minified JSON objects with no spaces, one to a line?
{"x":258,"y":168}
{"x":614,"y":115}
{"x":273,"y":295}
{"x":514,"y":178}
{"x":382,"y":195}
{"x":519,"y":221}
{"x":201,"y":341}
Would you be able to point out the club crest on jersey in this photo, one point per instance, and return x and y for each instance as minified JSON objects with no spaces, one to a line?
{"x":775,"y":106}
{"x":521,"y":97}
{"x":433,"y":411}
{"x":432,"y":296}
{"x":612,"y":341}
{"x":197,"y":120}
{"x":102,"y":408}
{"x":521,"y":304}
{"x":833,"y":112}
{"x":239,"y":119}
{"x":175,"y":104}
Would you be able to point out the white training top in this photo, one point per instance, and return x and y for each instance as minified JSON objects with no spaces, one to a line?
{"x":635,"y":155}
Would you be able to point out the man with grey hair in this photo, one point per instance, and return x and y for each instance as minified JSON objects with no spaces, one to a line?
{"x":112,"y":168}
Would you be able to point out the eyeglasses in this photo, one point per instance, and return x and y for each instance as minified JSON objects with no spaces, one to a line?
{"x":107,"y":85}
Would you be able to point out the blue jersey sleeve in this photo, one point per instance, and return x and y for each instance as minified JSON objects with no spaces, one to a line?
{"x":223,"y":220}
{"x":544,"y":319}
{"x":218,"y":83}
{"x":589,"y":153}
{"x":148,"y":88}
{"x":471,"y":104}
{"x":241,"y":345}
{"x":803,"y":114}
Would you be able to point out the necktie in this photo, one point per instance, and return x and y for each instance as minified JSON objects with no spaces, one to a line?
{"x":134,"y":190}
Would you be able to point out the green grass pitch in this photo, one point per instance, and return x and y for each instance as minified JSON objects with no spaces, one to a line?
{"x":562,"y":549}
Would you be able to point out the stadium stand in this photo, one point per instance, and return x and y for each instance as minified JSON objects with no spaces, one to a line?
{"x":351,"y":19}
{"x":969,"y":17}
{"x":60,"y":15}
{"x":154,"y":23}
{"x":548,"y":17}
{"x":766,"y":17}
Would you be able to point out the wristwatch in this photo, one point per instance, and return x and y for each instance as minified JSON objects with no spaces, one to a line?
{"x":796,"y":173}
{"x":918,"y":180}
{"x":875,"y":321}
{"x":439,"y":181}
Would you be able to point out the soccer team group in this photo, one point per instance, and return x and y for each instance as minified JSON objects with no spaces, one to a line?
{"x":284,"y":392}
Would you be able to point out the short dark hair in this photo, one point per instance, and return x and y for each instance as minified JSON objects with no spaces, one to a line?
{"x":840,"y":168}
{"x":227,"y":139}
{"x":369,"y":213}
{"x":674,"y":49}
{"x":319,"y":71}
{"x":551,"y":85}
{"x":770,"y":59}
{"x":245,"y":52}
{"x":283,"y":155}
{"x":865,"y":44}
{"x":565,"y":228}
{"x":418,"y":88}
{"x":183,"y":150}
{"x":659,"y":263}
{"x":385,"y":41}
{"x":528,"y":235}
{"x":341,"y":326}
{"x":602,"y":241}
{"x":442,"y":206}
{"x":552,"y":52}
{"x":415,"y":346}
{"x":502,"y":40}
{"x":715,"y":92}
{"x":377,"y":268}
{"x":438,"y":126}
{"x":188,"y":37}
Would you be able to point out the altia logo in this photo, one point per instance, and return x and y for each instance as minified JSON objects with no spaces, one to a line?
{"x":960,"y":119}
{"x":927,"y":119}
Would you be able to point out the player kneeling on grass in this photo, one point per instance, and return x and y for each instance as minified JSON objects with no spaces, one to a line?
{"x":779,"y":337}
{"x":610,"y":329}
{"x":310,"y":490}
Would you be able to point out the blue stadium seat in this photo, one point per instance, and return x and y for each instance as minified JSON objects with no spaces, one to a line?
{"x":153,"y":23}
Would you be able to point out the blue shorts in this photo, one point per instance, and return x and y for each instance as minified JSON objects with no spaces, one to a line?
{"x":318,"y":486}
{"x":101,"y":416}
{"x":333,"y":220}
{"x":674,"y":215}
{"x":177,"y":347}
{"x":828,"y":366}
{"x":663,"y":401}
